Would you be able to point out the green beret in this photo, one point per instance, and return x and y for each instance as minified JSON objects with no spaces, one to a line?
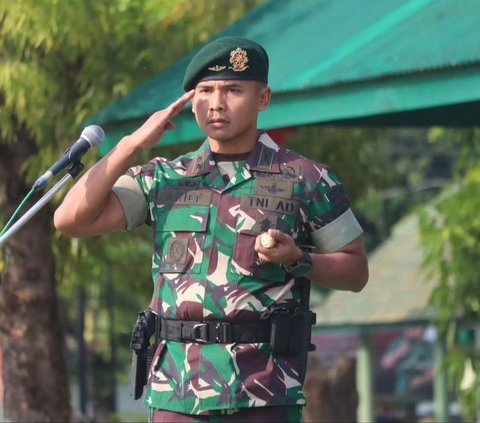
{"x":227,"y":58}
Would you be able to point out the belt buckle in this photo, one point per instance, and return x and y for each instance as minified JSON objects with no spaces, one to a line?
{"x":222,"y":332}
{"x":198,"y":330}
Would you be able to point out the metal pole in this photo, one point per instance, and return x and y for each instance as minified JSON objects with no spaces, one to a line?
{"x":74,"y":171}
{"x":110,"y":303}
{"x":82,"y":361}
{"x":365,"y":378}
{"x":440,"y":384}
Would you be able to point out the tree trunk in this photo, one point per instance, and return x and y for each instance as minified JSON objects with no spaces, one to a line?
{"x":32,"y":340}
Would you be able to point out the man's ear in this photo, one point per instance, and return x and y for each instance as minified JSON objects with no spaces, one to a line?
{"x":265,"y":97}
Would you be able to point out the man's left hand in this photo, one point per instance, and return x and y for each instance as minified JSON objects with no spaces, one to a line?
{"x":284,"y":252}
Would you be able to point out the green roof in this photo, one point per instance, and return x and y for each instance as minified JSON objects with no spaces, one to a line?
{"x":398,"y":290}
{"x":375,"y":62}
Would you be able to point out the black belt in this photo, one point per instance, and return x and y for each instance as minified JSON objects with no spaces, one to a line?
{"x":219,"y":332}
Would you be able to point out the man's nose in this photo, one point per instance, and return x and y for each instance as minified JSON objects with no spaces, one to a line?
{"x":217,"y":101}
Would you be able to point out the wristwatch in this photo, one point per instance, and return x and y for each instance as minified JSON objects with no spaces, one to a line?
{"x":302,"y":267}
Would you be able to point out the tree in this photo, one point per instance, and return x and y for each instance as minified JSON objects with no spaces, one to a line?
{"x":59,"y":63}
{"x":450,"y":229}
{"x":387,"y":172}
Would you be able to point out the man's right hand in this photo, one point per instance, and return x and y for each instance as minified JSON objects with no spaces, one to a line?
{"x":152,"y":130}
{"x":91,"y":207}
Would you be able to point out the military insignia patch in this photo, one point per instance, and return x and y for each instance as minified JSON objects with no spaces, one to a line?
{"x":266,"y":158}
{"x":238,"y":59}
{"x":178,"y":251}
{"x":264,"y":222}
{"x":216,"y":68}
{"x":292,"y":172}
{"x":276,"y":188}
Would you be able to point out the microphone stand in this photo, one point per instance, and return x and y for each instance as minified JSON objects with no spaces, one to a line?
{"x":74,"y":170}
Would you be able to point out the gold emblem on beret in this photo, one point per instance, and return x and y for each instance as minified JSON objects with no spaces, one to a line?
{"x":238,"y":59}
{"x":216,"y":68}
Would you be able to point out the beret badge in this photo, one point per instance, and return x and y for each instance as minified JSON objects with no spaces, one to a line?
{"x":238,"y":59}
{"x":217,"y":68}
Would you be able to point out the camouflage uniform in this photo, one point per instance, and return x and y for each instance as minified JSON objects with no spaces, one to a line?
{"x":277,"y":414}
{"x":204,"y":266}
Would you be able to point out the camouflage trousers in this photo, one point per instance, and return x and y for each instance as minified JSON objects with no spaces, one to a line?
{"x":287,"y":414}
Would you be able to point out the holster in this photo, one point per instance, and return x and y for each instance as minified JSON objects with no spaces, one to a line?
{"x":142,"y":351}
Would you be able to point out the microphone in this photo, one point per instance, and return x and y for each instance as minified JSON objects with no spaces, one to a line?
{"x":91,"y":136}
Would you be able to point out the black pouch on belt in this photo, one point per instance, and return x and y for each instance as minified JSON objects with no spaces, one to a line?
{"x":288,"y":332}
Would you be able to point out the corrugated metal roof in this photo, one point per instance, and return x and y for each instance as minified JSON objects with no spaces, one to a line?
{"x":334,"y":60}
{"x":397,"y":292}
{"x":346,"y":41}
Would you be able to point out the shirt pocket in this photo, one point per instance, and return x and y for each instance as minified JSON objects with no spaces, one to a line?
{"x":249,"y":225}
{"x":180,"y":238}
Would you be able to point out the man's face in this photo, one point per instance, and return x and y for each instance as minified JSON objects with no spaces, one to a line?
{"x":227,"y":110}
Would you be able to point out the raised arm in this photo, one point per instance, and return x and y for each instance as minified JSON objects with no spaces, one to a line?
{"x":90,"y":207}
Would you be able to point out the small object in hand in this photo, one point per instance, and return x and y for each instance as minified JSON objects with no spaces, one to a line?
{"x":267,"y":241}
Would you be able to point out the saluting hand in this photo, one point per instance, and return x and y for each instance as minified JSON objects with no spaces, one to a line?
{"x":152,"y":130}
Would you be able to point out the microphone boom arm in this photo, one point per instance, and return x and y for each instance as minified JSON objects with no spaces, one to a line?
{"x":74,"y":170}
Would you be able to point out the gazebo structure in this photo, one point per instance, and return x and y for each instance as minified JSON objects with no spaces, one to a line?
{"x":395,"y":299}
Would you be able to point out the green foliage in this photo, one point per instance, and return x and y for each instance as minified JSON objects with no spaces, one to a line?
{"x":450,"y":230}
{"x":61,"y":62}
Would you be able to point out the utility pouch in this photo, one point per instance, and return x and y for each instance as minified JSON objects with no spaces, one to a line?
{"x":291,"y":332}
{"x":280,"y":333}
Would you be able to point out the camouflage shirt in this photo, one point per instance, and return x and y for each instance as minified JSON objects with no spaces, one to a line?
{"x":204,"y":266}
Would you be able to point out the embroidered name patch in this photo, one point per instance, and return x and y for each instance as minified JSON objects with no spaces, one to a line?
{"x":270,"y":203}
{"x":185,"y":197}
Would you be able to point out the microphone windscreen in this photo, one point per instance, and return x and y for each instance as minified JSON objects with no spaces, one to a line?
{"x":93,"y":134}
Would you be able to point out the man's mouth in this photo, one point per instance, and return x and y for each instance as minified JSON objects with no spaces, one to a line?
{"x":217,"y":122}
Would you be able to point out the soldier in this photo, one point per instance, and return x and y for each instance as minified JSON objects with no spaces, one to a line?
{"x":231,"y":340}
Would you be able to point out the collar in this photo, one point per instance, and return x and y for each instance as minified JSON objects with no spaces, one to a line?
{"x":263,"y":158}
{"x":202,"y":162}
